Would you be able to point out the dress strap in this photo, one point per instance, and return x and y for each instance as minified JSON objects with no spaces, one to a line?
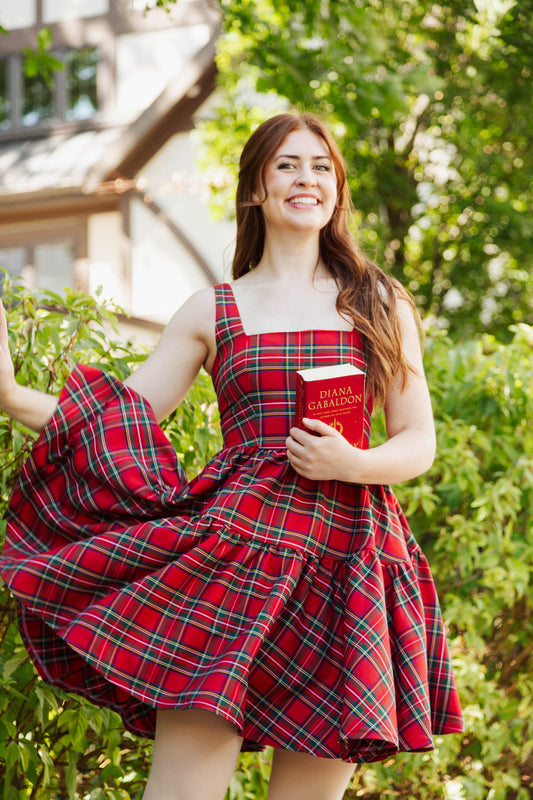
{"x":228,"y":323}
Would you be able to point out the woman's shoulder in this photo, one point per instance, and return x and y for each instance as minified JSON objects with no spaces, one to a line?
{"x":198,"y":312}
{"x":391,"y":292}
{"x":200,"y":301}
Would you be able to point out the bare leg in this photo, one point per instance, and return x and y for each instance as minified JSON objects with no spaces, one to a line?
{"x":300,"y":776}
{"x":195,"y":753}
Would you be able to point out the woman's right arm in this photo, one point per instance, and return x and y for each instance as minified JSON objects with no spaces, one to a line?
{"x":26,"y":405}
{"x":164,"y":379}
{"x":187,"y":343}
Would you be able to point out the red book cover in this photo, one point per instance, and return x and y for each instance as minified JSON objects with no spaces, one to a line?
{"x":335,"y":395}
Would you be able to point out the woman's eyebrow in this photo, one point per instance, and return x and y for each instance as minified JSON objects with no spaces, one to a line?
{"x":297,"y":158}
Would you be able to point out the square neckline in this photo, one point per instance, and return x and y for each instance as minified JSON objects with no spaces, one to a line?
{"x":300,"y":331}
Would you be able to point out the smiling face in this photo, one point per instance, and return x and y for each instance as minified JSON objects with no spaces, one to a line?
{"x":300,"y":184}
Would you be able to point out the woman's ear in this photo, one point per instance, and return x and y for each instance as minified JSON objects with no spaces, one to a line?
{"x":259,"y":197}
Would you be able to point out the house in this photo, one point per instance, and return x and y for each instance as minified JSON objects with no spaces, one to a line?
{"x":98,"y":183}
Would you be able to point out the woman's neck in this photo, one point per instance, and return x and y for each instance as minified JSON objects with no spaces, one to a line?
{"x":291,"y":260}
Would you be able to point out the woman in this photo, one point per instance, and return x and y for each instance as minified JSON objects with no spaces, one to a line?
{"x":279,"y":598}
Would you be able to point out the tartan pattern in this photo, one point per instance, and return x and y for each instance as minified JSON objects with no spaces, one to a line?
{"x":255,"y":394}
{"x":304,"y":612}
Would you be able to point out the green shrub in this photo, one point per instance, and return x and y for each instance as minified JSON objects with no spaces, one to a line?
{"x":471,"y":513}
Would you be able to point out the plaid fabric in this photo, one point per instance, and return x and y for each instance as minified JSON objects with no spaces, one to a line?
{"x":304,"y":612}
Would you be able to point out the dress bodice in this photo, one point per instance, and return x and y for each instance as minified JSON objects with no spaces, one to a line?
{"x":254,"y":375}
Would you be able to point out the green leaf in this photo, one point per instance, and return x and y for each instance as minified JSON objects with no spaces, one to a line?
{"x":10,"y":666}
{"x":47,"y":703}
{"x":71,"y":774}
{"x":47,"y":766}
{"x":77,"y":726}
{"x":11,"y":757}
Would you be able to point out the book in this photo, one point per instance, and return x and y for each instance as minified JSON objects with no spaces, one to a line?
{"x":335,"y":395}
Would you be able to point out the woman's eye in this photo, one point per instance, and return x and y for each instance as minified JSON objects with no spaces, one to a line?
{"x":288,"y":165}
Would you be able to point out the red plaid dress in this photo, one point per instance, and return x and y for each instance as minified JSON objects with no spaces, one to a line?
{"x":303,"y":612}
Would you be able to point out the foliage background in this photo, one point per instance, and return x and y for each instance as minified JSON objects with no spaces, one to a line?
{"x":431,"y":104}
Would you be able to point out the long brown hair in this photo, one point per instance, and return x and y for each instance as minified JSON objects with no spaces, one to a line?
{"x":367,"y":295}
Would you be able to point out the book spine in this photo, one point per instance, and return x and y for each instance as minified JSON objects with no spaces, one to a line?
{"x":300,"y":401}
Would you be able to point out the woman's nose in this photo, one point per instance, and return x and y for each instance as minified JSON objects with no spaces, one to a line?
{"x":306,"y":176}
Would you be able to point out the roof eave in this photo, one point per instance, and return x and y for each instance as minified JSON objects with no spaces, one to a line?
{"x":53,"y":202}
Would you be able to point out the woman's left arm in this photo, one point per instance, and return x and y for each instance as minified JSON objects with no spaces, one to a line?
{"x":410,"y":448}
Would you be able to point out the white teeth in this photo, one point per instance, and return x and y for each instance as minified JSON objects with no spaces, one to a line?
{"x":306,"y":201}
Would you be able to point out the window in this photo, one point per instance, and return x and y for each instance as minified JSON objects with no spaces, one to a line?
{"x":13,"y":260}
{"x":73,"y":95}
{"x":4,"y":95}
{"x":37,"y":101}
{"x":42,"y":265}
{"x":54,"y":265}
{"x":81,"y":84}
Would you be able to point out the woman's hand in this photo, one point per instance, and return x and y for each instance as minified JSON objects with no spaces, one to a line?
{"x":8,"y":384}
{"x":328,"y":456}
